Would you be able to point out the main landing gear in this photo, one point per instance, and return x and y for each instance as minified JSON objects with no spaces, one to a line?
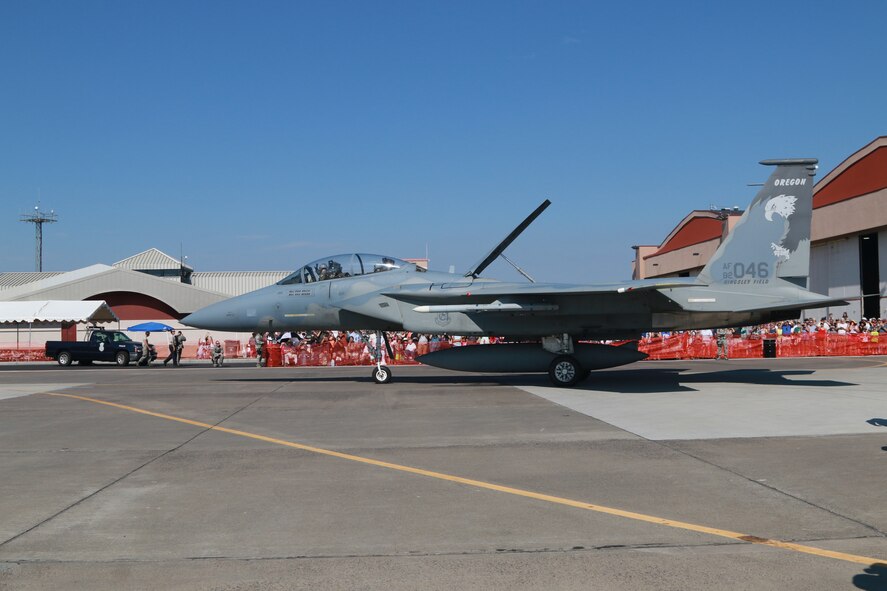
{"x":381,"y":373}
{"x":565,"y":370}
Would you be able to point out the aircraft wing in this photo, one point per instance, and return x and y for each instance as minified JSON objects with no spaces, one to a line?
{"x":511,"y":297}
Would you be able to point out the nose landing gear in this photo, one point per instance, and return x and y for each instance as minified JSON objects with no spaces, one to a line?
{"x":381,"y":373}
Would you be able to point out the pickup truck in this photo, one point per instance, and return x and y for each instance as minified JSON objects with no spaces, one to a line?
{"x":100,"y":345}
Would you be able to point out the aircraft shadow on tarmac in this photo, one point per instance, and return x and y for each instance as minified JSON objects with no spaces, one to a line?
{"x":625,"y":382}
{"x":673,"y":380}
{"x":874,"y":579}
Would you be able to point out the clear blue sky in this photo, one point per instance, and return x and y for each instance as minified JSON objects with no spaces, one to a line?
{"x":262,"y":135}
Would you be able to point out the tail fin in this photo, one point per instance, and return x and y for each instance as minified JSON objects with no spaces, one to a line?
{"x":772,"y":238}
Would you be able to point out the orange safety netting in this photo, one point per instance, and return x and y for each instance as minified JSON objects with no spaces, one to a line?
{"x":342,"y":354}
{"x":24,"y":354}
{"x":693,"y":346}
{"x":327,"y":353}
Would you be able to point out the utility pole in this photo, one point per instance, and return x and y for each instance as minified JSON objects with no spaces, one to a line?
{"x":38,"y":218}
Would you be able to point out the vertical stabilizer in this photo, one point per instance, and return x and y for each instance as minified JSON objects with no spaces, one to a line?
{"x":772,"y":238}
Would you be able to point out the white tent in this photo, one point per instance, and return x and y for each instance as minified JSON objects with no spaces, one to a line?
{"x":34,"y":312}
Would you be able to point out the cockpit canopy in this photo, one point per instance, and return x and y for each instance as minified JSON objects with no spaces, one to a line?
{"x":345,"y":265}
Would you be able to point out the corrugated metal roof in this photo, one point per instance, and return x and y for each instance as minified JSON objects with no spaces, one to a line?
{"x":235,"y":283}
{"x":55,"y":311}
{"x":97,"y":279}
{"x":150,"y":260}
{"x":55,"y":280}
{"x":14,"y":279}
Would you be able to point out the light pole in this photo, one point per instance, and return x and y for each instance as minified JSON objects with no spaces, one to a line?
{"x":38,"y":218}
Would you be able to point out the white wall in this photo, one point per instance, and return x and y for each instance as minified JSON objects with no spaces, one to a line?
{"x":882,"y":270}
{"x":834,"y":271}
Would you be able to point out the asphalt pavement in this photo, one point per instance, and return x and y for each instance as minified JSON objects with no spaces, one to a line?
{"x":740,"y":474}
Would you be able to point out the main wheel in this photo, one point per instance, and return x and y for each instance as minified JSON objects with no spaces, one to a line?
{"x":64,"y":358}
{"x":381,"y":374}
{"x":565,"y":371}
{"x":122,"y":358}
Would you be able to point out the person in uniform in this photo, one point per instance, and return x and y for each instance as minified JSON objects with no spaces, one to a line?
{"x":171,"y":344}
{"x":218,"y":354}
{"x":146,"y":350}
{"x":722,"y":343}
{"x":180,"y":345}
{"x":260,"y":348}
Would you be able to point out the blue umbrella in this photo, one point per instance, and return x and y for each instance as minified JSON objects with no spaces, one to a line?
{"x":149,"y":327}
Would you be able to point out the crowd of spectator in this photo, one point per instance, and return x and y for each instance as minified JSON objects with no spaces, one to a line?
{"x":333,"y":347}
{"x":828,"y":336}
{"x":336,"y":347}
{"x":825,"y":325}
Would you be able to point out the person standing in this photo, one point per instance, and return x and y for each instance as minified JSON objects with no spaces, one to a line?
{"x":146,"y":350}
{"x":722,"y":343}
{"x":260,"y":348}
{"x":171,"y":344}
{"x":180,"y":346}
{"x":218,"y":354}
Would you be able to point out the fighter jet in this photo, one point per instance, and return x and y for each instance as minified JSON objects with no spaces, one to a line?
{"x":758,"y":274}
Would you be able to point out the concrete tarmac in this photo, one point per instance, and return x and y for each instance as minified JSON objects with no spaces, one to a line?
{"x":741,"y":474}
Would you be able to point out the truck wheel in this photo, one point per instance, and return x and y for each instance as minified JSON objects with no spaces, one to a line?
{"x":64,"y":358}
{"x":122,"y":358}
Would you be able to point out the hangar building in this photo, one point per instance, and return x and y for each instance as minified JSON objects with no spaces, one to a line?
{"x":150,"y":285}
{"x":848,"y":255}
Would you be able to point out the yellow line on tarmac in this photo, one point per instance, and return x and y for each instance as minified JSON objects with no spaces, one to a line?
{"x":503,"y":489}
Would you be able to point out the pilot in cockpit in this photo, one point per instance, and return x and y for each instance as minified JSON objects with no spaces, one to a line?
{"x":386,"y":265}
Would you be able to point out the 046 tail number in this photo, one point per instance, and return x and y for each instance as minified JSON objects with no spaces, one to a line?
{"x":746,"y":271}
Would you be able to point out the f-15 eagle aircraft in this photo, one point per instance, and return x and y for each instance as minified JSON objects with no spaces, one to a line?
{"x":758,"y":274}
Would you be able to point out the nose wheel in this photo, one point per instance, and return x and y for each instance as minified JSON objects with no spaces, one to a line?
{"x":381,"y":374}
{"x":565,"y":371}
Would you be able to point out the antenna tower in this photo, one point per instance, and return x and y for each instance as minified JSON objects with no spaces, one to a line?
{"x":38,"y":218}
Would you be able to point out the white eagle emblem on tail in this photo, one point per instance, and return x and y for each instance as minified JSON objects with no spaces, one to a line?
{"x":780,"y":252}
{"x":784,"y":205}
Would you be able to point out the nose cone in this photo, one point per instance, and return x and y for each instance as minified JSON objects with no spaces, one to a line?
{"x":218,"y":316}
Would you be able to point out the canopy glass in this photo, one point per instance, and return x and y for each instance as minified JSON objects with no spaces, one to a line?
{"x":344,"y":265}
